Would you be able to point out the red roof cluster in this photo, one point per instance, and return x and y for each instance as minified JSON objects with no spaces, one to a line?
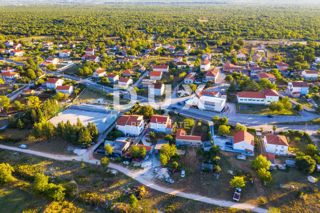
{"x":212,"y":72}
{"x":299,"y":84}
{"x":62,"y":88}
{"x":155,"y":74}
{"x":277,"y":140}
{"x":131,"y":120}
{"x":182,"y":135}
{"x":161,"y":66}
{"x":52,"y":80}
{"x":262,"y":94}
{"x":243,"y":136}
{"x":266,"y":75}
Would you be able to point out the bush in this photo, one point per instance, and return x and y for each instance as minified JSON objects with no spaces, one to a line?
{"x":92,"y":198}
{"x":6,"y":171}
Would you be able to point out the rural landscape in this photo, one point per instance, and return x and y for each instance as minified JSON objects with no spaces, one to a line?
{"x":159,"y":106}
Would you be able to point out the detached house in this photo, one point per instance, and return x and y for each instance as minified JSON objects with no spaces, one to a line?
{"x":127,"y":73}
{"x":8,"y":69}
{"x":100,"y":72}
{"x":190,"y":78}
{"x":182,"y":138}
{"x":282,"y":66}
{"x":311,"y":75}
{"x":93,"y":58}
{"x":297,"y":88}
{"x":160,"y":123}
{"x":155,"y":75}
{"x":18,"y":53}
{"x":119,"y":146}
{"x":124,"y":82}
{"x":130,"y":124}
{"x":269,"y":76}
{"x":64,"y":53}
{"x":53,"y":83}
{"x":113,"y":78}
{"x":228,"y":67}
{"x":276,"y":144}
{"x":161,"y":68}
{"x":212,"y":75}
{"x":205,"y":65}
{"x":65,"y":89}
{"x":264,"y":97}
{"x":52,"y":60}
{"x":157,"y":89}
{"x":10,"y":76}
{"x":89,"y":51}
{"x":243,"y":142}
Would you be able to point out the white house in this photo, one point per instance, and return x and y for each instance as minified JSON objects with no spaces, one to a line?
{"x":241,"y":56}
{"x":8,"y":69}
{"x":181,"y":65}
{"x":160,"y":123}
{"x":243,"y":141}
{"x":264,"y":97}
{"x":228,"y":67}
{"x":124,"y":82}
{"x":161,"y":68}
{"x":182,"y":138}
{"x":276,"y":144}
{"x":53,"y":83}
{"x":155,"y":75}
{"x":311,"y":75}
{"x":9,"y":43}
{"x":157,"y":89}
{"x":208,"y":100}
{"x":297,"y":88}
{"x":113,"y":78}
{"x":87,"y":57}
{"x":205,"y":65}
{"x":18,"y":53}
{"x":130,"y":124}
{"x":65,"y":89}
{"x":282,"y":66}
{"x":212,"y":75}
{"x":89,"y":51}
{"x":64,"y":53}
{"x":269,"y":76}
{"x":52,"y":60}
{"x":189,"y":79}
{"x":10,"y":76}
{"x":100,"y":72}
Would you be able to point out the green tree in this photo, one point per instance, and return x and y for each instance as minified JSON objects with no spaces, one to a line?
{"x":6,"y":171}
{"x":305,"y":163}
{"x":264,"y":175}
{"x":41,"y":182}
{"x":133,"y":200}
{"x":55,"y":192}
{"x":298,"y":107}
{"x":188,"y":123}
{"x":104,"y":162}
{"x":238,"y":182}
{"x":108,"y":149}
{"x":261,"y":162}
{"x":4,"y":102}
{"x":85,"y":137}
{"x":240,"y":127}
{"x":33,"y":102}
{"x":224,"y":130}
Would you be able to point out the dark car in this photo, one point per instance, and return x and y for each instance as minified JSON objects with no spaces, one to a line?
{"x":270,"y":116}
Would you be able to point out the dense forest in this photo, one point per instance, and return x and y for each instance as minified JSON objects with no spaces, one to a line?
{"x":216,"y":24}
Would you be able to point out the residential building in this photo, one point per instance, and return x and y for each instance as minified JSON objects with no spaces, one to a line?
{"x":205,"y":65}
{"x":243,"y":142}
{"x":124,"y":82}
{"x":269,"y":76}
{"x":66,"y":89}
{"x":228,"y":67}
{"x":212,"y":75}
{"x":147,"y":82}
{"x":53,"y":83}
{"x":93,"y":58}
{"x":281,"y":66}
{"x":89,"y":51}
{"x":18,"y":53}
{"x":52,"y":60}
{"x":119,"y":146}
{"x":241,"y":56}
{"x":311,"y":75}
{"x":130,"y":124}
{"x":113,"y":78}
{"x":100,"y":72}
{"x":160,"y":123}
{"x":276,"y":144}
{"x":189,"y":79}
{"x":10,"y":76}
{"x":155,"y":75}
{"x":161,"y":68}
{"x":297,"y":88}
{"x":8,"y":69}
{"x":181,"y":65}
{"x":182,"y":138}
{"x":264,"y":97}
{"x":64,"y":53}
{"x":157,"y":89}
{"x":127,"y":73}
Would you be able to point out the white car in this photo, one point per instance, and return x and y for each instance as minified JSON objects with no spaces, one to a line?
{"x":183,"y":173}
{"x":23,"y":146}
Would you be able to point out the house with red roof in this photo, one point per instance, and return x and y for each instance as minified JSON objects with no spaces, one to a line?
{"x":100,"y":72}
{"x":127,"y":73}
{"x":64,"y":53}
{"x":281,"y":66}
{"x":190,"y":78}
{"x":183,"y":139}
{"x":10,"y":76}
{"x":89,"y":51}
{"x":130,"y":124}
{"x":124,"y":82}
{"x":8,"y":69}
{"x":269,"y":76}
{"x":205,"y":65}
{"x":243,"y":142}
{"x":93,"y":58}
{"x":228,"y":67}
{"x":66,"y":89}
{"x":181,"y":65}
{"x":51,"y":60}
{"x":212,"y":75}
{"x":276,"y":144}
{"x":155,"y":75}
{"x":53,"y":83}
{"x":298,"y":88}
{"x":18,"y":53}
{"x":157,"y":89}
{"x":264,"y":97}
{"x":113,"y":78}
{"x":160,"y":123}
{"x":161,"y":68}
{"x":310,"y":75}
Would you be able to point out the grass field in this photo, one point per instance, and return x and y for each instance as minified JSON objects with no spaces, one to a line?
{"x":261,"y":110}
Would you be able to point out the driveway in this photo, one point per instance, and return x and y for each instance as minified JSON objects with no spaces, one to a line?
{"x":139,"y":176}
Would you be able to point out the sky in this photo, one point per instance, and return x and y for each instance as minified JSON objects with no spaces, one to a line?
{"x":270,"y":2}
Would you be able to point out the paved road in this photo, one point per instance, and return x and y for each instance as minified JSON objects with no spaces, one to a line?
{"x":138,"y":175}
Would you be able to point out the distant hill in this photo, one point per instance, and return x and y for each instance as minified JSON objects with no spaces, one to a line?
{"x":99,"y":2}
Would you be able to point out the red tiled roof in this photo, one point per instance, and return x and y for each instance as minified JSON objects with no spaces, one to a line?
{"x":158,"y":85}
{"x":148,"y":148}
{"x":155,"y":73}
{"x":131,"y":120}
{"x":250,"y":94}
{"x":123,"y":79}
{"x":100,"y":70}
{"x":282,"y":64}
{"x":160,"y":119}
{"x":65,"y":51}
{"x":205,"y":62}
{"x":277,"y":140}
{"x":191,"y":76}
{"x":270,"y":92}
{"x":266,"y":75}
{"x":127,"y":72}
{"x":243,"y":136}
{"x":52,"y":80}
{"x":9,"y":74}
{"x":65,"y":87}
{"x":161,"y":66}
{"x":111,"y":75}
{"x":182,"y":135}
{"x":299,"y":84}
{"x":311,"y":72}
{"x":212,"y":73}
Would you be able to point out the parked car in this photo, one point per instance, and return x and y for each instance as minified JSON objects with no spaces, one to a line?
{"x":183,"y":173}
{"x":23,"y":146}
{"x":237,"y":194}
{"x":270,"y":116}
